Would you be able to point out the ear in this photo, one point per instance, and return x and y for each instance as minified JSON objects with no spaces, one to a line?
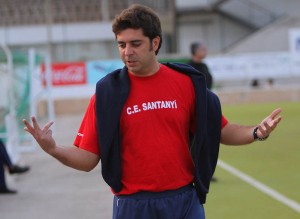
{"x":155,"y":43}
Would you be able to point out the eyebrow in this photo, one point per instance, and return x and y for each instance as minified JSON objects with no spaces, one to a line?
{"x":132,"y":41}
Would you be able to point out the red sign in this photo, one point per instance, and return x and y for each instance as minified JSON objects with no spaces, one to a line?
{"x":66,"y":73}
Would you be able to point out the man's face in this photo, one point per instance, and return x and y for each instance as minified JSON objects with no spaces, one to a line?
{"x":137,"y":52}
{"x":201,"y":52}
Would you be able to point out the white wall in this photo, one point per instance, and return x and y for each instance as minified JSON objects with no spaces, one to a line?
{"x":29,"y":35}
{"x":215,"y":31}
{"x":180,"y":4}
{"x":273,"y":38}
{"x":290,"y":7}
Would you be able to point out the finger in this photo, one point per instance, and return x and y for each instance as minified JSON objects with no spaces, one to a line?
{"x":275,"y":122}
{"x":263,"y":131}
{"x":48,"y":125}
{"x":278,"y":119}
{"x":267,"y":128}
{"x":30,"y":131}
{"x":26,"y":123}
{"x":275,"y":113}
{"x":35,"y":123}
{"x":26,"y":129}
{"x":49,"y":132}
{"x":28,"y":126}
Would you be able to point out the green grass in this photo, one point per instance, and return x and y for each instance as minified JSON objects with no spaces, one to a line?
{"x":275,"y":162}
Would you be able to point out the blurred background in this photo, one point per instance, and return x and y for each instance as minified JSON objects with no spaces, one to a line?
{"x":54,"y":51}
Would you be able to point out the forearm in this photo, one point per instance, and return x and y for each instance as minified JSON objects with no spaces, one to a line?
{"x":74,"y":157}
{"x":235,"y":134}
{"x":70,"y":156}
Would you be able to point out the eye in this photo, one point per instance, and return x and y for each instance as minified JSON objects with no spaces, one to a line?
{"x":136,"y":44}
{"x":122,"y":45}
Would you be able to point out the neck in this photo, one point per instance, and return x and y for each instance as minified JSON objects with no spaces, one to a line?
{"x":196,"y":60}
{"x":150,"y":70}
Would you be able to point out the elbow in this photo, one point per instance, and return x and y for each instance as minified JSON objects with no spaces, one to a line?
{"x":88,"y":168}
{"x":224,"y":142}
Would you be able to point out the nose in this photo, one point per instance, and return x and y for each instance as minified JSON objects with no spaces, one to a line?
{"x":128,"y":51}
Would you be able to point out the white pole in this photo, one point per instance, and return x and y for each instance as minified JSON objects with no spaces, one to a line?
{"x":33,"y":92}
{"x":32,"y":100}
{"x":50,"y":102}
{"x":48,"y":62}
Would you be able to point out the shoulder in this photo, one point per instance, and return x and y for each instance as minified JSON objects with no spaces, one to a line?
{"x":91,"y":104}
{"x":177,"y":65}
{"x":109,"y":77}
{"x":174,"y":74}
{"x":213,"y":102}
{"x":192,"y":63}
{"x":114,"y":80}
{"x":183,"y":68}
{"x":93,"y":99}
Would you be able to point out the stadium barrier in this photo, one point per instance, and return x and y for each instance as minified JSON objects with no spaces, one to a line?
{"x":228,"y":72}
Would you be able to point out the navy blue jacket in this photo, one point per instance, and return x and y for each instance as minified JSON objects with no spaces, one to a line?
{"x":111,"y":94}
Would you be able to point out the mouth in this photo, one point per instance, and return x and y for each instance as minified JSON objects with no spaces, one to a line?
{"x":131,"y":62}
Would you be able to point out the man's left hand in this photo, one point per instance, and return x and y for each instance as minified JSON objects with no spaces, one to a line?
{"x":269,"y":124}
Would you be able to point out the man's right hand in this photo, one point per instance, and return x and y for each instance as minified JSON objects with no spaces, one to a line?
{"x":42,"y":136}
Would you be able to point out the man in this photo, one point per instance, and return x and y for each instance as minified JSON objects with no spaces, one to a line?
{"x":12,"y":168}
{"x":139,"y":122}
{"x":198,"y":52}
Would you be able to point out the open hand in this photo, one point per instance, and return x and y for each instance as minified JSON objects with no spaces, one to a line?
{"x":269,"y":123}
{"x":42,"y":136}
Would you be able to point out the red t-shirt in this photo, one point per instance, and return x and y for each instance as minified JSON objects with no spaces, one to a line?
{"x":155,"y":124}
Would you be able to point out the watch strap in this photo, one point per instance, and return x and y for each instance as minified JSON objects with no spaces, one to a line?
{"x":255,"y":136}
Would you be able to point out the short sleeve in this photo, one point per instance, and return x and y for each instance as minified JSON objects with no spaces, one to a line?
{"x":87,"y":137}
{"x":224,"y":122}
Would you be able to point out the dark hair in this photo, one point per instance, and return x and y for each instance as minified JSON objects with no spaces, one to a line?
{"x":136,"y":17}
{"x":194,"y":46}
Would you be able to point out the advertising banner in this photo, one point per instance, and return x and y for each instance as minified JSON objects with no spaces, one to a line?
{"x":294,"y":39}
{"x":98,"y":69}
{"x":259,"y":65}
{"x":66,"y":73}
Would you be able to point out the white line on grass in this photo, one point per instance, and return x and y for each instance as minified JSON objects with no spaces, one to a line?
{"x":260,"y":186}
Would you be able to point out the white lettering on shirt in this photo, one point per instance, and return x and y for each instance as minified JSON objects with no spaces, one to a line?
{"x":153,"y":105}
{"x":133,"y":110}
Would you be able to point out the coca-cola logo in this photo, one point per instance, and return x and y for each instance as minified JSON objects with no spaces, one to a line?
{"x":68,"y":74}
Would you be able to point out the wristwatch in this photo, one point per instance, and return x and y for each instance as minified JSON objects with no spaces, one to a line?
{"x":255,"y":136}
